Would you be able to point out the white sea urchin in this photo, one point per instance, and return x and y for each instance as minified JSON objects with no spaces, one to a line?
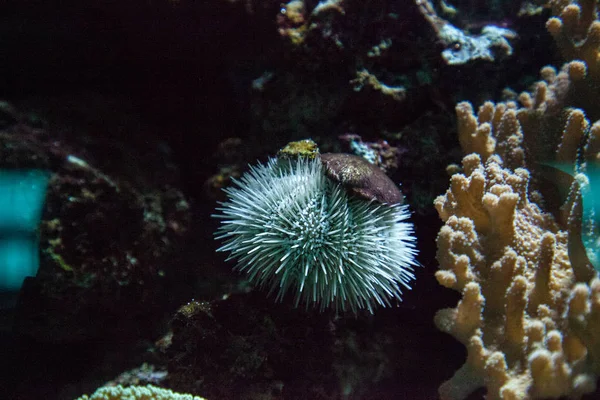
{"x":291,"y":228}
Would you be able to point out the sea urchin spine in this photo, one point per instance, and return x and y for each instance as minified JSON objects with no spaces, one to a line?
{"x":293,"y":229}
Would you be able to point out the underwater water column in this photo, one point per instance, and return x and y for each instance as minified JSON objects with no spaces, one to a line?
{"x":589,"y":184}
{"x":22,"y":195}
{"x":590,"y":232}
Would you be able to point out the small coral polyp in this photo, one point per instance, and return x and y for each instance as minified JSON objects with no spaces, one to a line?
{"x":293,"y":229}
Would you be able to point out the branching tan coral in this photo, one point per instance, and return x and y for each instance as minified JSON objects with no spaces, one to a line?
{"x":496,"y":130}
{"x":510,"y":262}
{"x":577,"y":32}
{"x":515,"y":246}
{"x":519,"y":269}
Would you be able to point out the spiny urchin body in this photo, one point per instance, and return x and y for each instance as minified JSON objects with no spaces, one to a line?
{"x":292,"y":229}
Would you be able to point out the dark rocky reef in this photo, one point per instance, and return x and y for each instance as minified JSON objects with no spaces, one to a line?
{"x":109,"y":244}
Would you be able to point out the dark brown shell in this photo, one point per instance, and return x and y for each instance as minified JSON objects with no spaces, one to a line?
{"x":361,"y":178}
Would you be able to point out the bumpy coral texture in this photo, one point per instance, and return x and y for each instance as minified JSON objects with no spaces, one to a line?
{"x":293,"y":229}
{"x":510,"y":262}
{"x":516,"y":248}
{"x":576,"y":30}
{"x":137,"y":393}
{"x":528,"y":316}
